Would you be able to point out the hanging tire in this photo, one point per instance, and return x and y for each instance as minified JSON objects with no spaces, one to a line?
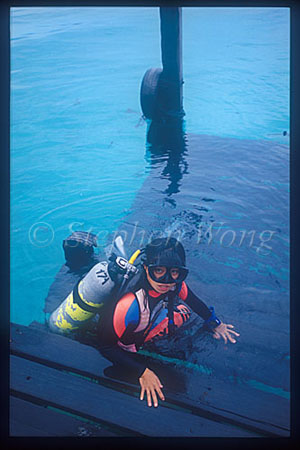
{"x":149,"y":91}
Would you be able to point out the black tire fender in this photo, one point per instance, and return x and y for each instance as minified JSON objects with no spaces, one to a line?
{"x":149,"y":92}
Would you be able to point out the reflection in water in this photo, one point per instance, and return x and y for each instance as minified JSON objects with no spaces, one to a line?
{"x":166,"y":143}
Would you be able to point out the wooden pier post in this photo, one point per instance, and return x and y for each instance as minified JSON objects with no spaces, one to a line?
{"x":161,"y":89}
{"x":171,"y":54}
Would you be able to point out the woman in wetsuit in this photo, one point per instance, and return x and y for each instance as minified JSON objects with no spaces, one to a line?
{"x":156,"y":302}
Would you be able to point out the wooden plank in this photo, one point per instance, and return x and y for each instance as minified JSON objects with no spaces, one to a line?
{"x":218,"y":397}
{"x":29,"y":419}
{"x":57,"y":348}
{"x":20,"y":429}
{"x":93,"y":401}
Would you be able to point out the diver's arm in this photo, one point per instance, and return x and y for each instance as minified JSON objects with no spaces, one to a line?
{"x":119,"y":357}
{"x":218,"y":328}
{"x":116,"y":335}
{"x":197,"y":305}
{"x":109,"y":347}
{"x":149,"y":381}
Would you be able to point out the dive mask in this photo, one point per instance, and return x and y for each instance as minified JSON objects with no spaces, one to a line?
{"x":167,"y":275}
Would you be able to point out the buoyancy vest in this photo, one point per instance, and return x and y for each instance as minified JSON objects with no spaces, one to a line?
{"x":151,"y":324}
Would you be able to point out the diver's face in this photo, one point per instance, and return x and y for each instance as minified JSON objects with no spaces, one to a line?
{"x":159,"y":272}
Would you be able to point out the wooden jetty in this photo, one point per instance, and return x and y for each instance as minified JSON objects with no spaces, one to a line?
{"x":61,"y":387}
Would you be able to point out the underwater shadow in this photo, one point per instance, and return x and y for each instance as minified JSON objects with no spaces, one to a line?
{"x":166,"y":147}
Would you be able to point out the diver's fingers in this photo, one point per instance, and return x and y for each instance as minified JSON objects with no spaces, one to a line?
{"x":155,"y":402}
{"x":160,"y":393}
{"x":216,"y":336}
{"x":231,"y":339}
{"x":149,"y":398}
{"x":142,"y":393}
{"x":233,"y":332}
{"x":229,"y":325}
{"x":225,"y":338}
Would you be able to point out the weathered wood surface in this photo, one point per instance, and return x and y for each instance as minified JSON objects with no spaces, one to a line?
{"x":59,"y":352}
{"x":29,"y":419}
{"x":97,"y":403}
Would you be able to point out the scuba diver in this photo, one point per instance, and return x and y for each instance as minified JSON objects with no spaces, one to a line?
{"x":156,"y":302}
{"x":136,"y":305}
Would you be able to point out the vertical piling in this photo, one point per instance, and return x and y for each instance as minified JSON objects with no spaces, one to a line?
{"x":171,"y":80}
{"x":161,"y":89}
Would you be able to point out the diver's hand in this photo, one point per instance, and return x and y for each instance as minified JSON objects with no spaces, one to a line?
{"x":151,"y":384}
{"x":225,"y":332}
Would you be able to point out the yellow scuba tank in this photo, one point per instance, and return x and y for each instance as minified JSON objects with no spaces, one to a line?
{"x":92,"y":292}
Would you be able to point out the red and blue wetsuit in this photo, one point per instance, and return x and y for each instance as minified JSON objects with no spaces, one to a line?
{"x":139,"y":316}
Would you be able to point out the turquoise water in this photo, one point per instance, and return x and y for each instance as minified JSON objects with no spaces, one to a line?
{"x":236,"y":72}
{"x":76,"y":147}
{"x":78,"y":153}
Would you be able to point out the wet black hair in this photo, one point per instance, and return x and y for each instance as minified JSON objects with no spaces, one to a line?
{"x":165,"y":252}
